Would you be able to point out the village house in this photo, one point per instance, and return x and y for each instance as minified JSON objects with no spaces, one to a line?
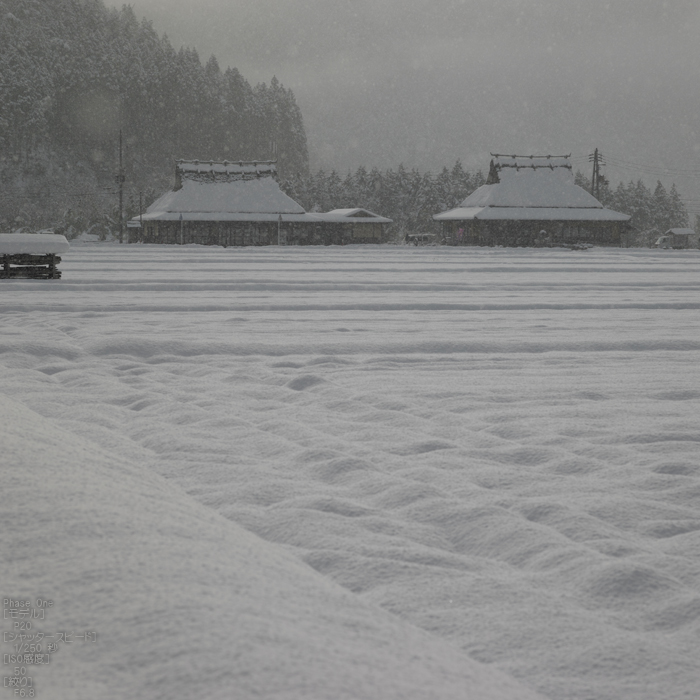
{"x":532,"y":201}
{"x":241,"y":204}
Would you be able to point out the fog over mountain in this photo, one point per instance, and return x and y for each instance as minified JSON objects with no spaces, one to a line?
{"x":425,"y":82}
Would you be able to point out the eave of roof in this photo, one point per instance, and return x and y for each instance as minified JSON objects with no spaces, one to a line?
{"x":681,"y":231}
{"x":333,"y":217}
{"x":226,"y":216}
{"x":531,"y":214}
{"x":308,"y":218}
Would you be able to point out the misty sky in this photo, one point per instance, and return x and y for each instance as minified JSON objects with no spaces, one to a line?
{"x":425,"y":82}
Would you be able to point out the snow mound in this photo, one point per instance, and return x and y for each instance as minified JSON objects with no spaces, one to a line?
{"x":306,"y":381}
{"x":185,"y":603}
{"x":32,"y":243}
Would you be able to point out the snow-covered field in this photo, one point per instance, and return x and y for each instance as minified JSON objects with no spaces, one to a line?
{"x":499,"y":448}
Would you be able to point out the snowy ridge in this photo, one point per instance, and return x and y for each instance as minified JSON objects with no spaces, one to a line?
{"x":416,"y":306}
{"x":187,"y":604}
{"x":136,"y":346}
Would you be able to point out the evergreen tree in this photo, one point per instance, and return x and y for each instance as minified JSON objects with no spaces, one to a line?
{"x":662,"y":212}
{"x":678,"y":214}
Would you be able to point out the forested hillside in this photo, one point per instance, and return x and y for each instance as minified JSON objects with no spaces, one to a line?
{"x":73,"y":73}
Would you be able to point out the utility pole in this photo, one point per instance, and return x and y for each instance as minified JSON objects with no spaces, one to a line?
{"x":120,"y":182}
{"x":597,"y":159}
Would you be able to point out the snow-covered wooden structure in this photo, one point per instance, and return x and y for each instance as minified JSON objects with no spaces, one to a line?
{"x":679,"y":238}
{"x":532,"y":201}
{"x":354,"y":225}
{"x":240,"y":204}
{"x":31,"y":255}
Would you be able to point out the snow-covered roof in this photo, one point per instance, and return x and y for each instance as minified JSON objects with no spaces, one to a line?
{"x":681,"y":231}
{"x":356,"y":215}
{"x":304,"y":217}
{"x":224,"y":197}
{"x":532,"y":188}
{"x":32,"y":243}
{"x":224,"y":191}
{"x":228,"y":216}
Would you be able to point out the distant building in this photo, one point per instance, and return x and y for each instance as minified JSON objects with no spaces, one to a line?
{"x":532,"y":201}
{"x":241,"y":204}
{"x":678,"y":238}
{"x":355,"y":225}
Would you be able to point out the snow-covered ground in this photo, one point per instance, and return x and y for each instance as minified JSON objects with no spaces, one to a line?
{"x":499,"y":448}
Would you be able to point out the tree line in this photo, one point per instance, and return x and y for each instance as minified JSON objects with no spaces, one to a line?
{"x":73,"y":73}
{"x":410,"y":197}
{"x":653,"y":212}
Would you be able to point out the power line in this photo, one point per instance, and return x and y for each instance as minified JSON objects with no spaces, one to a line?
{"x":661,"y":169}
{"x":623,"y":164}
{"x":691,"y":204}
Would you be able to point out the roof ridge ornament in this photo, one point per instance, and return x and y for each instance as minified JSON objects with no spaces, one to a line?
{"x":550,"y":155}
{"x":518,"y":162}
{"x":223,"y":171}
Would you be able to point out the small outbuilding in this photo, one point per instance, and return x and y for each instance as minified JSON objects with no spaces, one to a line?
{"x":532,"y":201}
{"x":678,"y":238}
{"x":355,"y":225}
{"x":241,"y":204}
